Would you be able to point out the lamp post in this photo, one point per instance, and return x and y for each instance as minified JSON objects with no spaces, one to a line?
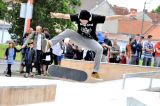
{"x":143,"y":19}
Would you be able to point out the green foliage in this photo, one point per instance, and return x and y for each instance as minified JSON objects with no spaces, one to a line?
{"x":158,"y":9}
{"x":13,"y":17}
{"x":3,"y":9}
{"x":41,"y":15}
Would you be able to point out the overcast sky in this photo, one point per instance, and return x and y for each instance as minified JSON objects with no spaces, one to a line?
{"x":138,"y":4}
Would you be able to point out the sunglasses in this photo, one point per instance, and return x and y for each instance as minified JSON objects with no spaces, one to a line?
{"x":30,"y":43}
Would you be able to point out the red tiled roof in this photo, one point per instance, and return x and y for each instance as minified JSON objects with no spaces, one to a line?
{"x":155,"y":32}
{"x":154,"y":16}
{"x":132,"y":26}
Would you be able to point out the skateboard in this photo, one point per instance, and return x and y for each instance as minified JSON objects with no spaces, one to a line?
{"x":67,"y":73}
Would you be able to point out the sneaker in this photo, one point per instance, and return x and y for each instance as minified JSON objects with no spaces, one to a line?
{"x":45,"y":45}
{"x":96,"y":76}
{"x":26,"y":75}
{"x":21,"y":72}
{"x":31,"y":75}
{"x":7,"y":75}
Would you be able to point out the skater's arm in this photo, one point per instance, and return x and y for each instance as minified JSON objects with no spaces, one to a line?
{"x":120,"y":17}
{"x":60,"y":15}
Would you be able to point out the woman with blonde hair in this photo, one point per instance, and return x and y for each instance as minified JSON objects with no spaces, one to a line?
{"x":10,"y":55}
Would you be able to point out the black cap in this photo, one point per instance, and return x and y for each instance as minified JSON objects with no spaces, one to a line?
{"x":84,"y":15}
{"x":149,"y":36}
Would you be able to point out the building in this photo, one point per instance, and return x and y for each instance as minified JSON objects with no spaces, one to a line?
{"x":4,"y":34}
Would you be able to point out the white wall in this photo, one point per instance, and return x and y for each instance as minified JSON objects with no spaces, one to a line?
{"x":6,"y":36}
{"x":105,"y":9}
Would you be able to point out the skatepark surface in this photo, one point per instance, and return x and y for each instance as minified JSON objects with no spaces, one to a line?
{"x":107,"y":93}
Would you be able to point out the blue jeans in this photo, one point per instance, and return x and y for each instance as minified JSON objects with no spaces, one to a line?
{"x":147,"y":61}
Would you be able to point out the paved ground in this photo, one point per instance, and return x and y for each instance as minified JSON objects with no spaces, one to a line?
{"x":3,"y":66}
{"x":107,"y":93}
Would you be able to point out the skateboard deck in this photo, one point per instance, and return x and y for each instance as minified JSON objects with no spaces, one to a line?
{"x":67,"y":73}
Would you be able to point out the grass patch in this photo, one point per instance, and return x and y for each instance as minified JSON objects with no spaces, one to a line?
{"x":141,"y":62}
{"x":3,"y":49}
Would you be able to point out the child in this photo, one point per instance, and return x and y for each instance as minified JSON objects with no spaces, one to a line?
{"x":47,"y":59}
{"x":10,"y":55}
{"x":29,"y":59}
{"x":123,"y":59}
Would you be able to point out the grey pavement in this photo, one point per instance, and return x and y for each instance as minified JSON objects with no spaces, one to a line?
{"x":3,"y":66}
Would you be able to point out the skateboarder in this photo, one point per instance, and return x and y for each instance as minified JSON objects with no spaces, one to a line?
{"x":86,"y":34}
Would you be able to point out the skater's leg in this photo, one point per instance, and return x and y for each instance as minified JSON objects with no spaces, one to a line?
{"x":86,"y":43}
{"x":82,"y":41}
{"x":65,"y":34}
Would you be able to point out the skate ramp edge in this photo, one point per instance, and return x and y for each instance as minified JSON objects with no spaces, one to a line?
{"x":108,"y":71}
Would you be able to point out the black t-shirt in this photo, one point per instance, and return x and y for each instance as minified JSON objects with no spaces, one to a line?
{"x":107,"y":42}
{"x":89,"y":30}
{"x":134,"y":47}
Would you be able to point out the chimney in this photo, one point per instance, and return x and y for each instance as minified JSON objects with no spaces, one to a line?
{"x":133,"y":11}
{"x":114,"y":5}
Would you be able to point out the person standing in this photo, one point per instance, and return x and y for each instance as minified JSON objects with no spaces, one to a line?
{"x":115,"y":53}
{"x":29,"y":59}
{"x":46,"y":32}
{"x":47,"y":59}
{"x":123,"y":59}
{"x":134,"y":55}
{"x":10,"y":56}
{"x":37,"y":37}
{"x":107,"y":45}
{"x":128,"y":51}
{"x":86,"y":33}
{"x":100,"y":37}
{"x":22,"y":65}
{"x":157,"y":54}
{"x":57,"y":50}
{"x":148,"y":52}
{"x":139,"y":48}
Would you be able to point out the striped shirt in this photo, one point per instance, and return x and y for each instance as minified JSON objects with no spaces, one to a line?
{"x":148,"y":45}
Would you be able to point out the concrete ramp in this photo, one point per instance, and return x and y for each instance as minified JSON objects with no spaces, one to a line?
{"x":107,"y":71}
{"x":21,"y":91}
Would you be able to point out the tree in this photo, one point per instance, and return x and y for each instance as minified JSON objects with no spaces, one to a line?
{"x":3,"y":9}
{"x":41,"y":11}
{"x":157,"y":9}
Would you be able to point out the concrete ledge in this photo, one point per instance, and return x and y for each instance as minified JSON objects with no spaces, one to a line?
{"x":142,"y":98}
{"x":20,"y":91}
{"x":107,"y":71}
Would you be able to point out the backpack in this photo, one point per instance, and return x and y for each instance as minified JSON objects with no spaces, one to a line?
{"x":90,"y":55}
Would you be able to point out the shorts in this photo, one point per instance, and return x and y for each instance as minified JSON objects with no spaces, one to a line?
{"x":59,"y":58}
